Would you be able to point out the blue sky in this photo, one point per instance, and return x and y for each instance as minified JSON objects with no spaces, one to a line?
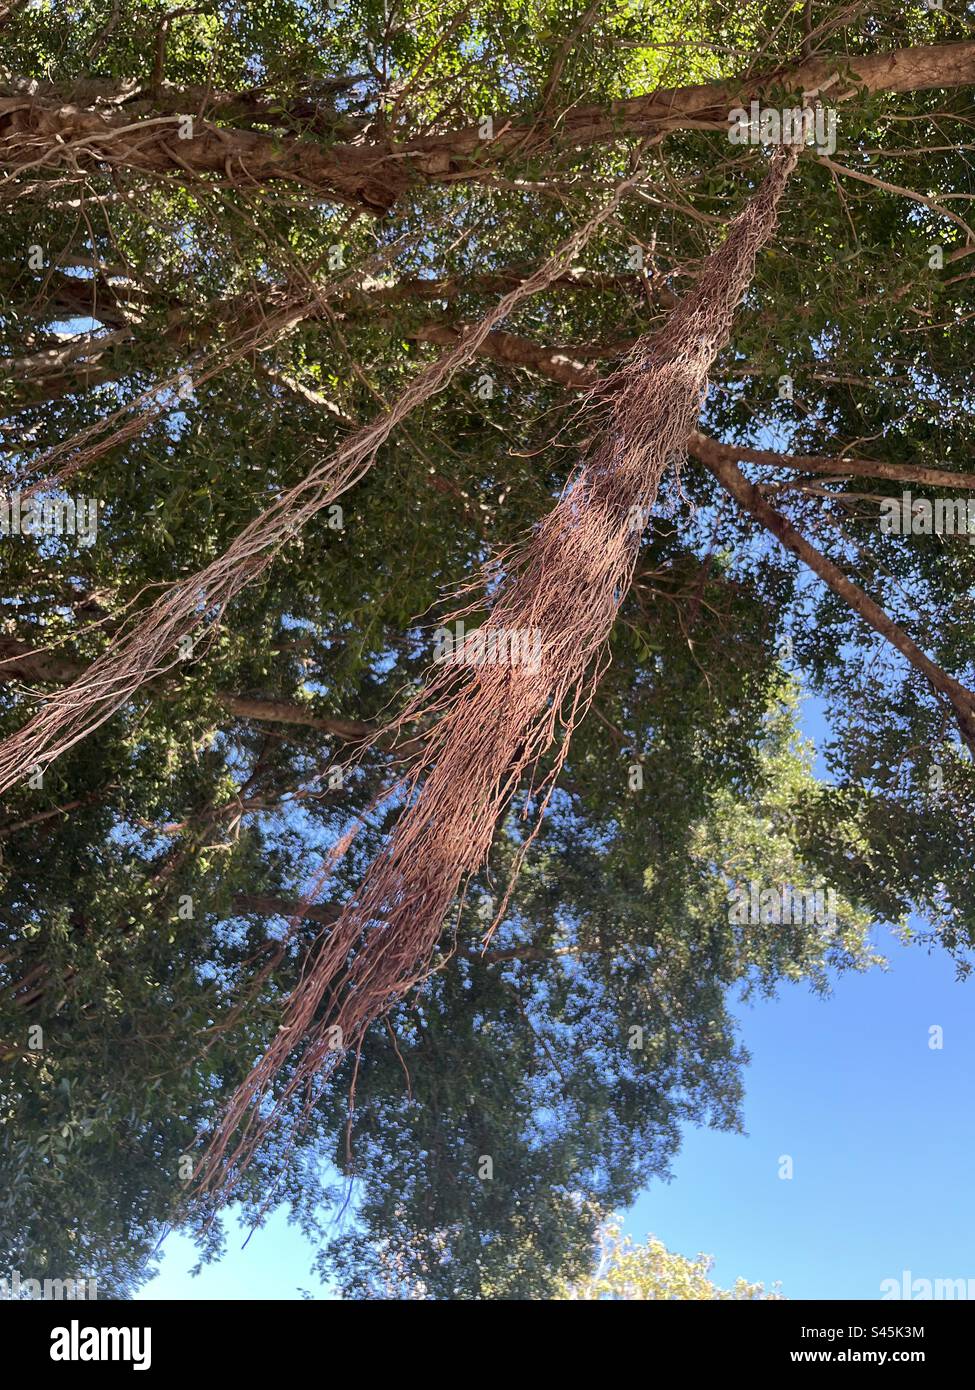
{"x":880,"y":1128}
{"x":879,"y":1125}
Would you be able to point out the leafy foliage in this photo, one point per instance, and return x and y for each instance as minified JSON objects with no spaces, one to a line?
{"x":145,"y":879}
{"x":650,"y":1271}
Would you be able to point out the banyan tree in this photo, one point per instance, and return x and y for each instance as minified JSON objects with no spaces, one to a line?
{"x":600,"y":339}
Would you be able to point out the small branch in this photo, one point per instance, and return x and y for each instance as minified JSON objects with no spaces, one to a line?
{"x":874,"y":182}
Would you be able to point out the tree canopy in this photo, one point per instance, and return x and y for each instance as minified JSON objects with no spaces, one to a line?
{"x":634,"y":1273}
{"x":233,"y":234}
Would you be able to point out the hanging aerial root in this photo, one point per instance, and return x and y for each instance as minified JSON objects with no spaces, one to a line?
{"x":555,"y":599}
{"x":161,"y":637}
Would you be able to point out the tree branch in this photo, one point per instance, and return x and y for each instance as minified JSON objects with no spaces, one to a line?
{"x":841,"y":467}
{"x":720,"y":459}
{"x":20,"y":661}
{"x":45,"y":131}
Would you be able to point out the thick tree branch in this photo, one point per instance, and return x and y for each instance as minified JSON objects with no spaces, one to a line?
{"x":720,"y":459}
{"x":842,"y":468}
{"x":291,"y":712}
{"x":566,"y":365}
{"x":557,"y":364}
{"x":37,"y":134}
{"x":41,"y":131}
{"x":265,"y":906}
{"x":51,"y":374}
{"x":902,"y":70}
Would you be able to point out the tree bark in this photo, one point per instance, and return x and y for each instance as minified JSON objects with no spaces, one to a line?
{"x":40,"y":131}
{"x":37,"y":134}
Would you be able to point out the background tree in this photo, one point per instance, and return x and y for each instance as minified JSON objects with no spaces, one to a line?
{"x":651,"y":1271}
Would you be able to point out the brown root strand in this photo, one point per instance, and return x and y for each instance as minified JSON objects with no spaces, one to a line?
{"x":157,"y":642}
{"x":490,"y":725}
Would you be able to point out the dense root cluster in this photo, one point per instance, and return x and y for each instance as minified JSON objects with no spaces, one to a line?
{"x":491,"y":724}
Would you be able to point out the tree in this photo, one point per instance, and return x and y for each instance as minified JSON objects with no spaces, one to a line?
{"x":651,"y":1271}
{"x":188,"y":328}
